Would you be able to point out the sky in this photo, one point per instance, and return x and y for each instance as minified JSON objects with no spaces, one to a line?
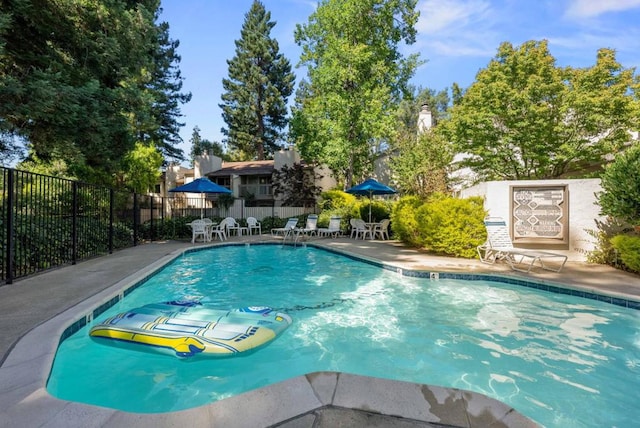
{"x":456,"y":39}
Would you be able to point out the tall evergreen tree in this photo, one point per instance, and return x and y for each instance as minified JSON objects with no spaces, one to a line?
{"x":165,"y":86}
{"x":254,"y":104}
{"x":199,"y":146}
{"x":83,"y":81}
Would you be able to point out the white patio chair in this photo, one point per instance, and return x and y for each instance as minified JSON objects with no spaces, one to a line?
{"x":219,"y":230}
{"x":231,"y":225}
{"x":381,"y":229}
{"x":359,"y":228}
{"x":199,"y":228}
{"x":333,"y":229}
{"x":500,"y":247}
{"x":254,"y":224}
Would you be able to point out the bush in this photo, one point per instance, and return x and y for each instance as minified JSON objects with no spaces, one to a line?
{"x":379,"y":210}
{"x":603,"y":251}
{"x":628,"y":247}
{"x":403,"y":220}
{"x":269,"y":223}
{"x":621,"y":187}
{"x":453,"y":226}
{"x":169,"y":228}
{"x":444,"y":225}
{"x":335,"y":199}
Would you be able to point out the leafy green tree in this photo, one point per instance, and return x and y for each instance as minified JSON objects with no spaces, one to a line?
{"x":526,"y":118}
{"x":254,"y":104}
{"x":355,"y":76}
{"x":620,"y":197}
{"x":421,"y":160}
{"x":409,"y":108}
{"x":165,"y":91}
{"x":141,"y":168}
{"x":421,"y":163}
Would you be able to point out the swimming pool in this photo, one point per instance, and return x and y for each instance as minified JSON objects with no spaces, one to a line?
{"x":560,"y":360}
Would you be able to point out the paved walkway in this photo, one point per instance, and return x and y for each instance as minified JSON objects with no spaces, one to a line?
{"x":31,"y":304}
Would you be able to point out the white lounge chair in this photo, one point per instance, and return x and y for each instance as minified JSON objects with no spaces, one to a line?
{"x":291,"y":224}
{"x":333,"y":229}
{"x":311,"y":227}
{"x":500,"y":247}
{"x":254,"y":224}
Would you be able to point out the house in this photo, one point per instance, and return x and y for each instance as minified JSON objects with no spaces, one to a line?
{"x":249,"y":180}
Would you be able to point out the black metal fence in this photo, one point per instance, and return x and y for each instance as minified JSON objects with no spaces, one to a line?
{"x":48,"y":221}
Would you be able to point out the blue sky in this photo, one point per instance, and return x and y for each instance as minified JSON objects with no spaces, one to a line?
{"x":456,"y":38}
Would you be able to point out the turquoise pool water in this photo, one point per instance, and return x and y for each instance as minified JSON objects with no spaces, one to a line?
{"x":563,"y":361}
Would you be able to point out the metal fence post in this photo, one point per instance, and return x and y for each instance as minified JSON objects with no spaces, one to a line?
{"x":152,"y":234}
{"x":135,"y":219}
{"x":111,"y":204}
{"x":10,"y":241}
{"x":74,"y":223}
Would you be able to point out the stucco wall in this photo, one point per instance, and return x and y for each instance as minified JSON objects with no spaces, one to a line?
{"x":582,"y":207}
{"x":205,"y":163}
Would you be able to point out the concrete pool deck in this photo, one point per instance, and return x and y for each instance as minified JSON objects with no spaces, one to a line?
{"x":36,"y":310}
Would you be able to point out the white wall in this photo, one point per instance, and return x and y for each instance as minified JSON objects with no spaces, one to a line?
{"x":205,"y":163}
{"x":285,"y":157}
{"x":583,"y":208}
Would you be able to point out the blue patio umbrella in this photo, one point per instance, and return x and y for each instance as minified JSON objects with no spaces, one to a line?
{"x":201,"y":185}
{"x":371,"y":187}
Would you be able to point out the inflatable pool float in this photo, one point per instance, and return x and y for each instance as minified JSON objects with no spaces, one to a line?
{"x":186,"y":329}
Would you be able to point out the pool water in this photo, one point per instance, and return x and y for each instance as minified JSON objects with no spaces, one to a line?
{"x":563,"y":361}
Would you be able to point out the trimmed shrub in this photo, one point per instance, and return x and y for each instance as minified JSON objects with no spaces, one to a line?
{"x":452,"y":226}
{"x":628,"y":247}
{"x":621,"y":187}
{"x":444,"y":225}
{"x":379,"y":210}
{"x":335,"y":199}
{"x":403,"y":220}
{"x":269,"y":223}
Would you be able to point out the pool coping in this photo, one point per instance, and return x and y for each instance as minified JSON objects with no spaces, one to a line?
{"x":24,"y":374}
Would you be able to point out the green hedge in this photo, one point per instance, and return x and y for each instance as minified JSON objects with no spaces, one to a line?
{"x":628,"y":247}
{"x":403,"y":220}
{"x":443,"y":225}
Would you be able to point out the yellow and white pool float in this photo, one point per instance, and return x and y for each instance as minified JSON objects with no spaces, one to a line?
{"x":186,"y":329}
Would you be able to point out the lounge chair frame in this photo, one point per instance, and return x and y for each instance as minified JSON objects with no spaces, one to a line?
{"x":500,"y":247}
{"x":291,"y":224}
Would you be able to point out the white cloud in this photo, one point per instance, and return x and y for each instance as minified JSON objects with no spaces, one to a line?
{"x":448,"y":16}
{"x":593,"y":8}
{"x":457,"y":28}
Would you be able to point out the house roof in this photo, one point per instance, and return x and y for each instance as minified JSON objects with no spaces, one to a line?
{"x":264,"y":167}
